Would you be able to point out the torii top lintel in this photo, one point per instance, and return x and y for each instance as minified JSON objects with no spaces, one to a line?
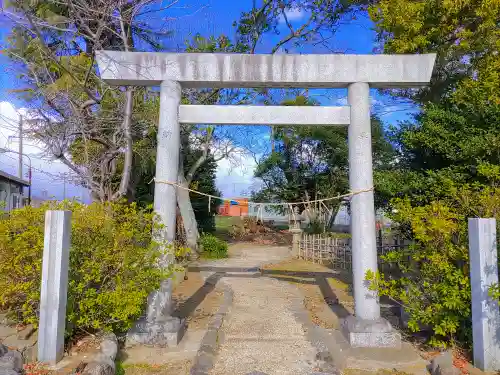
{"x":218,"y":70}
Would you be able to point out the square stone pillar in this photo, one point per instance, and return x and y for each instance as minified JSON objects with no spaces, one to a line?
{"x":366,"y":328}
{"x":485,"y":312}
{"x":158,"y":327}
{"x":54,"y":288}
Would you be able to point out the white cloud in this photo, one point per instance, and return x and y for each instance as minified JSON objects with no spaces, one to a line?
{"x":340,"y":101}
{"x":47,"y":175}
{"x":377,"y":105}
{"x":293,"y":14}
{"x":375,"y":102}
{"x":392,"y":108}
{"x":235,"y":175}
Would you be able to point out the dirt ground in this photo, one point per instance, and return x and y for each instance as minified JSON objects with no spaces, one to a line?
{"x":195,"y":301}
{"x":328,"y":298}
{"x":327,"y":294}
{"x":259,"y":234}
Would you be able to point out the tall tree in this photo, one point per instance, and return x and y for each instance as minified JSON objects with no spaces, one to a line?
{"x":203,"y":181}
{"x":83,"y":122}
{"x":311,"y":162}
{"x":320,"y":20}
{"x":458,"y":129}
{"x":102,"y":133}
{"x":462,"y":33}
{"x":449,"y":164}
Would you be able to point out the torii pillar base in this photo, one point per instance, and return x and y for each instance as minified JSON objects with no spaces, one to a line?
{"x":158,"y":327}
{"x":362,"y":333}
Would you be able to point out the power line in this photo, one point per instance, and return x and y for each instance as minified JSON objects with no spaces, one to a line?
{"x":30,"y":155}
{"x":9,"y":123}
{"x":36,"y":169}
{"x":4,"y":137}
{"x":10,"y":157}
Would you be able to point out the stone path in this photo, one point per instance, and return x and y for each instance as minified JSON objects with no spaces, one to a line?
{"x":248,"y":255}
{"x":262,"y":333}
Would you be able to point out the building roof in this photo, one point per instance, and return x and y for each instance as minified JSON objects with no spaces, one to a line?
{"x":13,"y":178}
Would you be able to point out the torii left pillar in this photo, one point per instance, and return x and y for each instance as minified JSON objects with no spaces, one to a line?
{"x":167,"y":157}
{"x":159,"y":327}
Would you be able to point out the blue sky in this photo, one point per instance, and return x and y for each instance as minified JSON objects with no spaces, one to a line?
{"x":188,"y":17}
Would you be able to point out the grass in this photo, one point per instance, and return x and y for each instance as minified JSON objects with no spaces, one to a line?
{"x":174,"y":368}
{"x":224,"y":223}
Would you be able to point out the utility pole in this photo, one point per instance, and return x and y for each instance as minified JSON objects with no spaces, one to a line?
{"x":30,"y":174}
{"x":29,"y":187}
{"x":272,"y":139}
{"x":64,"y":190}
{"x":21,"y":158}
{"x":20,"y":146}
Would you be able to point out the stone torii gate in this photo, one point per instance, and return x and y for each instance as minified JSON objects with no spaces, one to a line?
{"x":358,"y":73}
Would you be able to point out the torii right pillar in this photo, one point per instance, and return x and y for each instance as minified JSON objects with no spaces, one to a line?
{"x":366,"y":328}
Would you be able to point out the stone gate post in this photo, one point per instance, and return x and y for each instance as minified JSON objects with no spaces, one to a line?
{"x":167,"y":156}
{"x":54,"y":288}
{"x":364,"y":252}
{"x":159,"y":327}
{"x":366,"y":328}
{"x":483,"y":255}
{"x":296,"y":232}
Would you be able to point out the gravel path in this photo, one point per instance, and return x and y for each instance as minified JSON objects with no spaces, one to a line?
{"x":248,"y":255}
{"x":262,"y":333}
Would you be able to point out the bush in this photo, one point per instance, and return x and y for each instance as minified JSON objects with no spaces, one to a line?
{"x":315,"y":227}
{"x":113,"y":264}
{"x":435,"y":288}
{"x":213,"y":247}
{"x":339,"y":235}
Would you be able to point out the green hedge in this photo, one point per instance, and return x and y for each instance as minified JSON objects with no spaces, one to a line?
{"x":112,"y":264}
{"x":213,"y":247}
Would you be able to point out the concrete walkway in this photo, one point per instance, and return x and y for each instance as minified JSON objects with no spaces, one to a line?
{"x":262,"y":333}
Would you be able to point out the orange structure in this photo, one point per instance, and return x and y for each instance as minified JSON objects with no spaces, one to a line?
{"x":235,"y":207}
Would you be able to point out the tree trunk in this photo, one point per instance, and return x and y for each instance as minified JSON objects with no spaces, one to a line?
{"x":129,"y":144}
{"x":187,"y":213}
